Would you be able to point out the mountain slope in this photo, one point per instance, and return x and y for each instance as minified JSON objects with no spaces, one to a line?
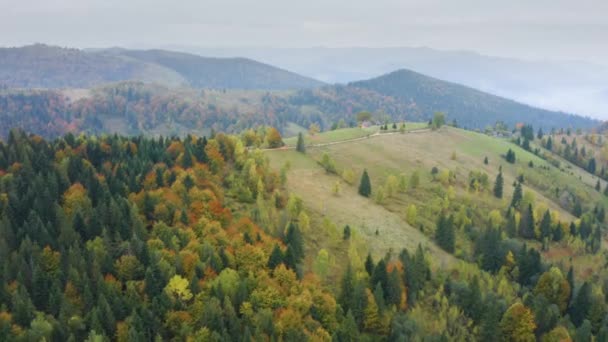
{"x":43,"y":66}
{"x":469,"y":107}
{"x":234,"y":73}
{"x":574,"y":86}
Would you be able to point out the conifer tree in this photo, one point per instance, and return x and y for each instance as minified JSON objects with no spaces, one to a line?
{"x":347,"y":289}
{"x":369,"y":264}
{"x":444,"y":234}
{"x":300,"y":147}
{"x":526,"y":223}
{"x":365,"y":187}
{"x":498,"y":185}
{"x":187,"y":159}
{"x":276,"y":257}
{"x":517,"y":196}
{"x":549,"y":145}
{"x":294,"y":240}
{"x":545,"y":225}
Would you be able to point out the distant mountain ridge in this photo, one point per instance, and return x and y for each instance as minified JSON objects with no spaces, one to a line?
{"x":571,"y":86}
{"x":44,"y":66}
{"x":469,"y":107}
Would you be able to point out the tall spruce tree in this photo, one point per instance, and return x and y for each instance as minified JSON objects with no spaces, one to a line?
{"x":365,"y":186}
{"x":517,"y":196}
{"x":498,"y":185}
{"x":300,"y":147}
{"x":526,"y":223}
{"x":444,"y":234}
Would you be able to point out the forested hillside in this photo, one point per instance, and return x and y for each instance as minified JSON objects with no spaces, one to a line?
{"x":231,"y":73}
{"x":133,"y":239}
{"x":134,"y":108}
{"x":469,"y":107}
{"x":43,"y":66}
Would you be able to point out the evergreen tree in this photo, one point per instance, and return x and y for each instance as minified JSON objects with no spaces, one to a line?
{"x":369,"y":264}
{"x":549,"y":145}
{"x":490,"y":321}
{"x":498,"y":184}
{"x":545,"y":226}
{"x":510,"y":157}
{"x":598,"y":186}
{"x":346,"y":233}
{"x":347,"y":289}
{"x":526,"y":223}
{"x":581,"y":304}
{"x":276,"y":257}
{"x":444,"y":234}
{"x":591,"y":167}
{"x":348,"y":330}
{"x":294,"y":240}
{"x":380,"y":276}
{"x":517,"y":196}
{"x":577,"y":210}
{"x":300,"y":146}
{"x":187,"y":161}
{"x":365,"y":187}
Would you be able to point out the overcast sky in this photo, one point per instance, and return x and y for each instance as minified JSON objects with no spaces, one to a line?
{"x":539,"y":29}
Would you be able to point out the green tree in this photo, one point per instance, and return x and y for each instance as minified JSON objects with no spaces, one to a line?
{"x":526,"y":223}
{"x":510,"y":156}
{"x":365,"y":187}
{"x":517,"y":196}
{"x":444,"y":234}
{"x":498,"y":184}
{"x":438,"y":120}
{"x":300,"y":146}
{"x":276,"y":257}
{"x":346,"y":233}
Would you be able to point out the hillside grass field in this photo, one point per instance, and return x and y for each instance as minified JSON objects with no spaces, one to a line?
{"x":459,"y":151}
{"x":339,"y":135}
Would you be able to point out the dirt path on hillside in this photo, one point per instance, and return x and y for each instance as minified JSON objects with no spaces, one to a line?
{"x":374,"y":135}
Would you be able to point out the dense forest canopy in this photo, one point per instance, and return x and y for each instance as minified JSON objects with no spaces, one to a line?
{"x":133,"y":239}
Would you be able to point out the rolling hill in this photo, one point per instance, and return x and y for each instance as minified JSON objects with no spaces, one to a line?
{"x":43,"y":66}
{"x":233,"y":73}
{"x":469,"y":107}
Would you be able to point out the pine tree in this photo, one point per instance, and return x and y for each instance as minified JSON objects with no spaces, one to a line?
{"x":510,"y":157}
{"x":347,"y":289}
{"x":444,"y":234}
{"x":380,"y":276}
{"x":498,"y":185}
{"x":365,"y":187}
{"x":369,"y":264}
{"x":276,"y":257}
{"x":526,"y":223}
{"x":187,"y":159}
{"x":598,"y":186}
{"x":294,"y":239}
{"x":517,"y":196}
{"x":581,"y":304}
{"x":346,"y":233}
{"x":591,"y":166}
{"x":549,"y":145}
{"x":578,"y":209}
{"x":300,"y":147}
{"x":485,"y":160}
{"x":545,"y":225}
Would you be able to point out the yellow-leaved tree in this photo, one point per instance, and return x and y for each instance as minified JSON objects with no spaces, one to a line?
{"x":178,"y":289}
